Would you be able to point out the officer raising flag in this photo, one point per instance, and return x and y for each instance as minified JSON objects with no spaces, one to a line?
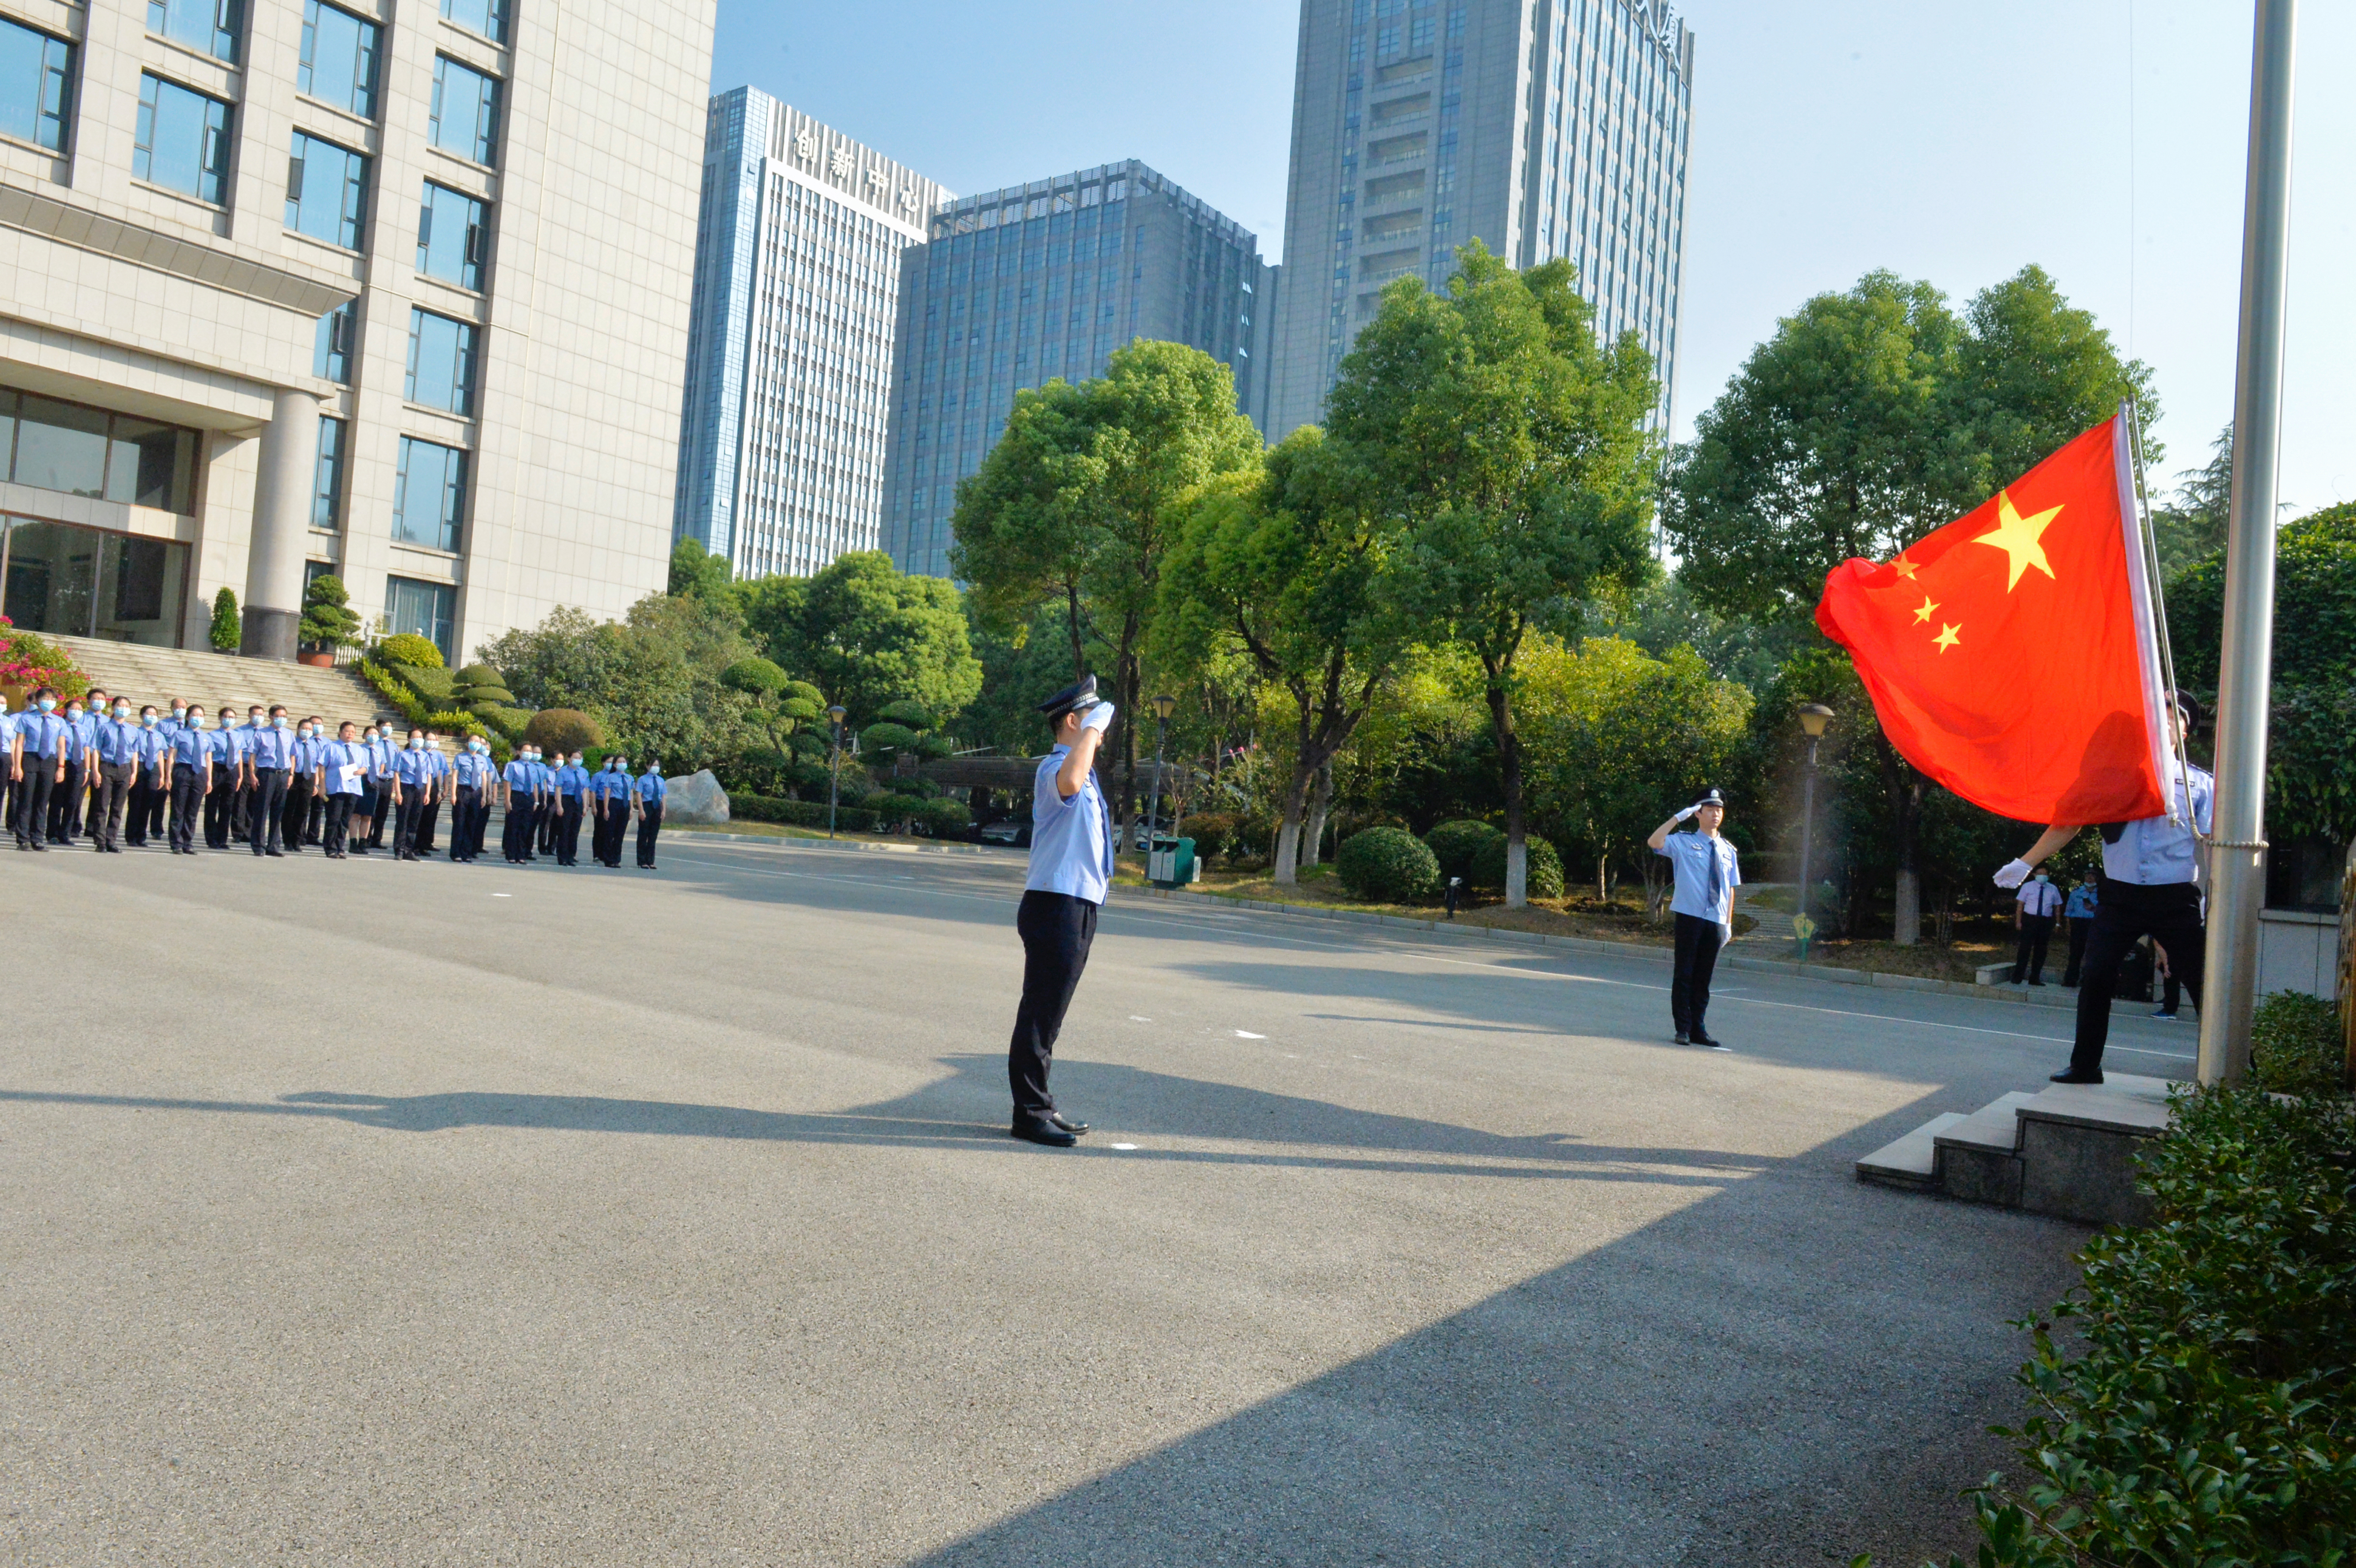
{"x":1707,"y":873}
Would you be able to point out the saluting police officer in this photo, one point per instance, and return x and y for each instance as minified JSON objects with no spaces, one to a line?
{"x":2150,"y":887}
{"x":1708,"y":872}
{"x":1071,"y":873}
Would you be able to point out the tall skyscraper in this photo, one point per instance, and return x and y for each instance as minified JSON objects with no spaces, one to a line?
{"x":395,"y":292}
{"x":797,"y":277}
{"x":1544,"y":128}
{"x":1046,"y":280}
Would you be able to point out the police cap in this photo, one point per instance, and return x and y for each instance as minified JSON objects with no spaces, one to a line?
{"x":1710,"y":798}
{"x":1081,"y":695}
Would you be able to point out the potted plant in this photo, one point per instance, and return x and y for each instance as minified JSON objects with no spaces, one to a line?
{"x":327,"y":624}
{"x":226,"y":632}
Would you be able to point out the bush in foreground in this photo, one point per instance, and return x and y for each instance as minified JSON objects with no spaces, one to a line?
{"x":2295,"y":1045}
{"x":1545,"y":867}
{"x":1458,"y":843}
{"x":1388,"y":865}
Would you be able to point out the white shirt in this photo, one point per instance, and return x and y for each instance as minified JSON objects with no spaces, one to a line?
{"x":2154,"y":852}
{"x":2038,"y":897}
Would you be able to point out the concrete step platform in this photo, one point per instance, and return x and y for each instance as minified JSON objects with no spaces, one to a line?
{"x":1911,"y":1161}
{"x":2066,"y":1150}
{"x":150,"y":674}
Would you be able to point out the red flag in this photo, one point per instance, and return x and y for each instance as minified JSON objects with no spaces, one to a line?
{"x":2010,"y":655}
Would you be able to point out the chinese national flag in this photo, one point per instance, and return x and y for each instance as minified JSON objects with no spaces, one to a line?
{"x":2010,"y":655}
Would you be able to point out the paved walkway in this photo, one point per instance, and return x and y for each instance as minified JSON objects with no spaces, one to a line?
{"x":420,"y":1214}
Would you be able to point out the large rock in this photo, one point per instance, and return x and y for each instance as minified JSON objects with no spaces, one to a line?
{"x":695,"y":801}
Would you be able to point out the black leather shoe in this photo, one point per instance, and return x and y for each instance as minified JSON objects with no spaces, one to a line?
{"x":1046,"y":1133}
{"x":1681,"y":1038}
{"x":1712,"y":1041}
{"x":2071,"y":1075}
{"x":1066,"y":1123}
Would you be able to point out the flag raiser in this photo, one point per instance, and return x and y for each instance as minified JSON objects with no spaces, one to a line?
{"x":2012,"y":655}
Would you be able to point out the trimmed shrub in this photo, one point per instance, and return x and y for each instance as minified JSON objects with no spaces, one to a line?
{"x":1458,"y":843}
{"x":480,"y":675}
{"x":799,"y":813}
{"x":228,"y":632}
{"x":327,"y":622}
{"x":910,"y":712}
{"x":944,"y":819}
{"x":431,"y":687}
{"x":1388,"y":865}
{"x":563,"y":729}
{"x":1213,"y":833}
{"x":406,"y":648}
{"x":509,"y":722}
{"x":892,"y":810}
{"x":393,"y":691}
{"x":1544,"y":867}
{"x":2295,"y":1045}
{"x":887,"y":740}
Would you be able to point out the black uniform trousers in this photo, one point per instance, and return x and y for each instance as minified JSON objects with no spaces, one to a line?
{"x":464,"y":802}
{"x":241,"y":810}
{"x":159,"y":795}
{"x":567,"y":830}
{"x":2079,"y":925}
{"x":33,"y":792}
{"x":65,"y":802}
{"x":650,"y":825}
{"x":549,"y":813}
{"x":515,"y":839}
{"x":315,"y":823}
{"x":411,"y":812}
{"x":144,"y":807}
{"x":1057,"y":930}
{"x":2128,"y":911}
{"x":336,"y":827}
{"x":1697,"y":944}
{"x":2029,"y":953}
{"x":296,"y":813}
{"x":381,"y":817}
{"x":606,"y":837}
{"x":113,"y":783}
{"x":429,"y":820}
{"x":265,"y":800}
{"x":218,"y":806}
{"x":187,"y":789}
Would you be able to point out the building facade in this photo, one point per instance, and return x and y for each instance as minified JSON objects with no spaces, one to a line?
{"x":1544,"y":128}
{"x":1042,"y":281}
{"x":798,"y":280}
{"x":294,"y":288}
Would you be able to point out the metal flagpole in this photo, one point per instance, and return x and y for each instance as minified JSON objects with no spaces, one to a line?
{"x":2237,"y":853}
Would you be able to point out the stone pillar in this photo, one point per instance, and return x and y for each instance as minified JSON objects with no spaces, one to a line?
{"x":282,"y":518}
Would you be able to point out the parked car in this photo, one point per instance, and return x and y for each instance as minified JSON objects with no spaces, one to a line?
{"x":1012,"y":830}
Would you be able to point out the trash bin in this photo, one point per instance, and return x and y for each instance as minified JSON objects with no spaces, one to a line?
{"x":1171,"y":862}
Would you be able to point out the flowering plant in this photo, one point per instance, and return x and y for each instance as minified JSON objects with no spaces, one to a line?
{"x":28,"y":660}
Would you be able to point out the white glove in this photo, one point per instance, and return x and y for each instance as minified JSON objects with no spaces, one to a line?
{"x":1682,"y":816}
{"x":1099,"y":717}
{"x":2014,"y":873}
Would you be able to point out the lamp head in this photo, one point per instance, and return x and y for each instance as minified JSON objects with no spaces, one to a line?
{"x":1813,"y":717}
{"x":1163,"y":707}
{"x":838,"y":713}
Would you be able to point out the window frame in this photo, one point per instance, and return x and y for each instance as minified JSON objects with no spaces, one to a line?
{"x":228,"y":29}
{"x":494,"y":12}
{"x":466,"y":363}
{"x":48,"y":73}
{"x":484,"y":145}
{"x":218,"y":138}
{"x":450,"y":519}
{"x":351,"y":221}
{"x":330,"y":473}
{"x":474,"y":256}
{"x":367,"y":84}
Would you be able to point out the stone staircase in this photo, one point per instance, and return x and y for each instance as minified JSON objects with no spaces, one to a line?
{"x":147,"y":674}
{"x":2067,"y":1150}
{"x":1774,"y":925}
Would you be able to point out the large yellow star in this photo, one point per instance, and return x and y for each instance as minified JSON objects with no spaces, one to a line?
{"x":2020,"y":537}
{"x":1947,"y":637}
{"x":1923,"y":615}
{"x":1904,"y":568}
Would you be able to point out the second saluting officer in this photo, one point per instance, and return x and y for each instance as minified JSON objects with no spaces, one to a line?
{"x":1707,"y":873}
{"x":1071,"y":873}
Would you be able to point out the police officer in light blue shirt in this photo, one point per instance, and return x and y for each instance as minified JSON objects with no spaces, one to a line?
{"x":519,"y":782}
{"x":1708,"y":872}
{"x":473,"y":780}
{"x":1070,"y":877}
{"x":414,"y":777}
{"x":66,"y":800}
{"x":153,"y":781}
{"x":270,"y":755}
{"x":343,"y":776}
{"x":650,"y":790}
{"x":569,"y":782}
{"x":381,"y":750}
{"x":12,"y":751}
{"x":609,"y":803}
{"x":114,"y":741}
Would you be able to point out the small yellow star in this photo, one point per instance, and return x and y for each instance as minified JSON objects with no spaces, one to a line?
{"x":1903,"y":567}
{"x":2020,"y":538}
{"x":1947,"y":637}
{"x":1923,"y":615}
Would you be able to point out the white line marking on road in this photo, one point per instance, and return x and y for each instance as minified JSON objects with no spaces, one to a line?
{"x":1247,"y":1034}
{"x":1135,"y":1019}
{"x":502,"y":894}
{"x":1116,"y":1146}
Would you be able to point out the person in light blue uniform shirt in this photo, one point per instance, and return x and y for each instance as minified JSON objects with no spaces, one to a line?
{"x":302,"y":773}
{"x":343,"y":777}
{"x":152,"y":781}
{"x":114,"y":741}
{"x":650,"y":790}
{"x":2079,"y":913}
{"x":228,"y":779}
{"x":518,"y":782}
{"x":473,"y":780}
{"x":414,"y":777}
{"x":12,"y":769}
{"x":67,"y":799}
{"x":270,"y":755}
{"x":609,"y":798}
{"x":1708,"y":871}
{"x":43,"y":738}
{"x":382,"y":750}
{"x":569,"y":781}
{"x":435,"y":794}
{"x":190,"y":773}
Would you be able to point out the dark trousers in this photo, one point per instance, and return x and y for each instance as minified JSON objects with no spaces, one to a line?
{"x":2029,"y":955}
{"x":650,"y":825}
{"x":1697,"y":944}
{"x":1056,"y":931}
{"x":2171,"y":916}
{"x":33,"y":793}
{"x":606,"y":838}
{"x":411,"y":812}
{"x":2171,"y":989}
{"x":515,"y":842}
{"x":465,"y":833}
{"x":547,"y":827}
{"x":114,"y":786}
{"x":265,"y":798}
{"x":159,"y":795}
{"x":146,"y":805}
{"x":336,"y":827}
{"x":296,"y":813}
{"x":241,"y":810}
{"x":382,"y":816}
{"x":219,"y":805}
{"x":2079,"y":925}
{"x":428,"y":820}
{"x":568,"y":829}
{"x":65,"y":803}
{"x":315,"y":823}
{"x":187,"y":789}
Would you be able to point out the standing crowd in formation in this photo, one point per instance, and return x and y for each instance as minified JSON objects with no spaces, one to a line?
{"x":90,"y":768}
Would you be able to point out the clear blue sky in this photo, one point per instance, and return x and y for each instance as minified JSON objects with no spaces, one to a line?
{"x":1954,"y":144}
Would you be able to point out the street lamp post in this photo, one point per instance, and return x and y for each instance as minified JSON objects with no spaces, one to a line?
{"x":1813,"y":717}
{"x":1163,"y":708}
{"x":834,"y":767}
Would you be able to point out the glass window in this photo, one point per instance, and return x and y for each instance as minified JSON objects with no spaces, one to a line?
{"x":338,"y":330}
{"x":61,"y":446}
{"x":429,"y":610}
{"x":210,"y":25}
{"x":488,"y":17}
{"x":339,"y":58}
{"x":83,"y":581}
{"x":440,"y":363}
{"x":466,"y":114}
{"x":85,"y":451}
{"x":453,"y":238}
{"x":327,"y":484}
{"x":326,"y":191}
{"x":34,"y":71}
{"x":182,"y":141}
{"x":149,"y":464}
{"x":429,"y":494}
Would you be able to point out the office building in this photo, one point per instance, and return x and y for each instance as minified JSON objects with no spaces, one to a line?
{"x":1046,"y":280}
{"x":798,"y":270}
{"x":294,"y":286}
{"x":1544,"y":128}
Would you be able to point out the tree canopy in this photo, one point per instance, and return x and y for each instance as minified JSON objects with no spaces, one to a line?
{"x":867,"y":634}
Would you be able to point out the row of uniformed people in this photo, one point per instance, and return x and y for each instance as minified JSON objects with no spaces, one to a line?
{"x":274,"y":782}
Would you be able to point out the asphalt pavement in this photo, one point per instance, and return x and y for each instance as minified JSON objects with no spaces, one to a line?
{"x":411,"y":1214}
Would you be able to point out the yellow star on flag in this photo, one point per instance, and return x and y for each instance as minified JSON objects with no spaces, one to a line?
{"x":1923,"y":615}
{"x":2020,"y":538}
{"x":1904,"y":568}
{"x":1947,"y":637}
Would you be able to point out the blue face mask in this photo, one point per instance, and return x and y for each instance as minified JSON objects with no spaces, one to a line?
{"x":149,"y":720}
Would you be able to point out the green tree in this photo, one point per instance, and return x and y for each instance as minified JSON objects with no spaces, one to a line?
{"x":1508,"y":450}
{"x":868,"y":633}
{"x":696,"y":572}
{"x":227,"y":632}
{"x":652,"y":682}
{"x":327,"y":624}
{"x":1281,"y":564}
{"x":2193,"y":524}
{"x":1085,"y":493}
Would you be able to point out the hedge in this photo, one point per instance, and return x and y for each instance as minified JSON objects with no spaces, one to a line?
{"x":408,"y":647}
{"x":1388,"y":865}
{"x":1456,"y":845}
{"x":1545,"y":867}
{"x":799,"y":813}
{"x":2295,"y":1045}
